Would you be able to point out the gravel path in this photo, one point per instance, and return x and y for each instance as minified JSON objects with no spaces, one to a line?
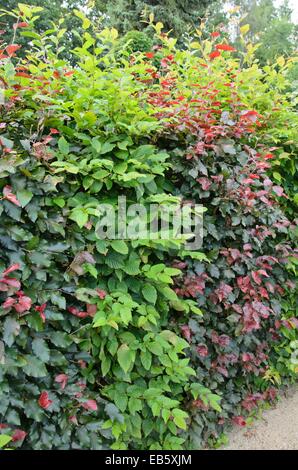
{"x":278,"y":428}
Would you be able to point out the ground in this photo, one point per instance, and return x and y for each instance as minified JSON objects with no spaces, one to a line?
{"x":277,"y":429}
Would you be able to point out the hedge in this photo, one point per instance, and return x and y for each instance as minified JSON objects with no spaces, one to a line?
{"x":139,"y":344}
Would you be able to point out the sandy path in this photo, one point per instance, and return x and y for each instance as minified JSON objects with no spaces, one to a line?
{"x":278,"y":428}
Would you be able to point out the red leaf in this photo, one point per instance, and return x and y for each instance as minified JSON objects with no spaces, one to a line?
{"x":73,"y":419}
{"x":149,"y":55}
{"x":13,"y":267}
{"x":186,"y":332}
{"x":12,"y":48}
{"x":225,"y":47}
{"x":90,"y":405}
{"x":11,"y":282}
{"x":18,"y":435}
{"x":214,"y":54}
{"x":101,"y":293}
{"x":69,"y":73}
{"x":246,"y":357}
{"x":77,"y":313}
{"x":278,"y":190}
{"x":10,"y":196}
{"x":215,"y":34}
{"x":202,"y":350}
{"x":56,"y":74}
{"x":204,"y":182}
{"x":250,"y":115}
{"x":263,"y":293}
{"x":54,"y":131}
{"x":44,"y":401}
{"x":91,"y":309}
{"x":41,"y":310}
{"x":23,"y":305}
{"x":23,"y":74}
{"x":256,"y":277}
{"x":9,"y":302}
{"x":22,"y":24}
{"x":62,"y":379}
{"x":239,"y":420}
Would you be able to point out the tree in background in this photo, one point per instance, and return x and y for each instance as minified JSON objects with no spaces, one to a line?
{"x":176,"y":15}
{"x":270,"y":26}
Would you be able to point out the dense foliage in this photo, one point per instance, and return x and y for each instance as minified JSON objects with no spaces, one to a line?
{"x":178,"y":16}
{"x":139,"y":344}
{"x":222,"y":139}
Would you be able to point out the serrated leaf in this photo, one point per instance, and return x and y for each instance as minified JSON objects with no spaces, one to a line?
{"x":63,"y":145}
{"x":121,"y":401}
{"x":80,"y":216}
{"x":146,"y":359}
{"x":150,"y":294}
{"x":24,"y":197}
{"x":60,"y":339}
{"x":34,"y":367}
{"x":11,"y":329}
{"x":59,"y":300}
{"x":169,"y":294}
{"x":120,"y":246}
{"x":4,"y":439}
{"x":40,"y":349}
{"x":105,"y":366}
{"x":125,"y":357}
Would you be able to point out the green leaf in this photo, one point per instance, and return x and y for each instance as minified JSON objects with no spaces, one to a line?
{"x":60,"y":339}
{"x":125,"y":357}
{"x":89,"y":268}
{"x":34,"y":367}
{"x":59,"y":300}
{"x":11,"y":329}
{"x":214,"y":401}
{"x":12,"y":417}
{"x":63,"y":145}
{"x":150,"y":294}
{"x":59,"y":201}
{"x":100,"y":174}
{"x":96,"y":144}
{"x":155,"y":348}
{"x":121,"y":401}
{"x":134,"y":405}
{"x":24,"y":196}
{"x":169,"y":294}
{"x":40,"y":349}
{"x":85,"y":21}
{"x":146,"y":359}
{"x":80,"y":216}
{"x":107,"y":147}
{"x":244,"y":29}
{"x":120,"y":246}
{"x":105,"y":365}
{"x":4,"y":439}
{"x":179,"y":418}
